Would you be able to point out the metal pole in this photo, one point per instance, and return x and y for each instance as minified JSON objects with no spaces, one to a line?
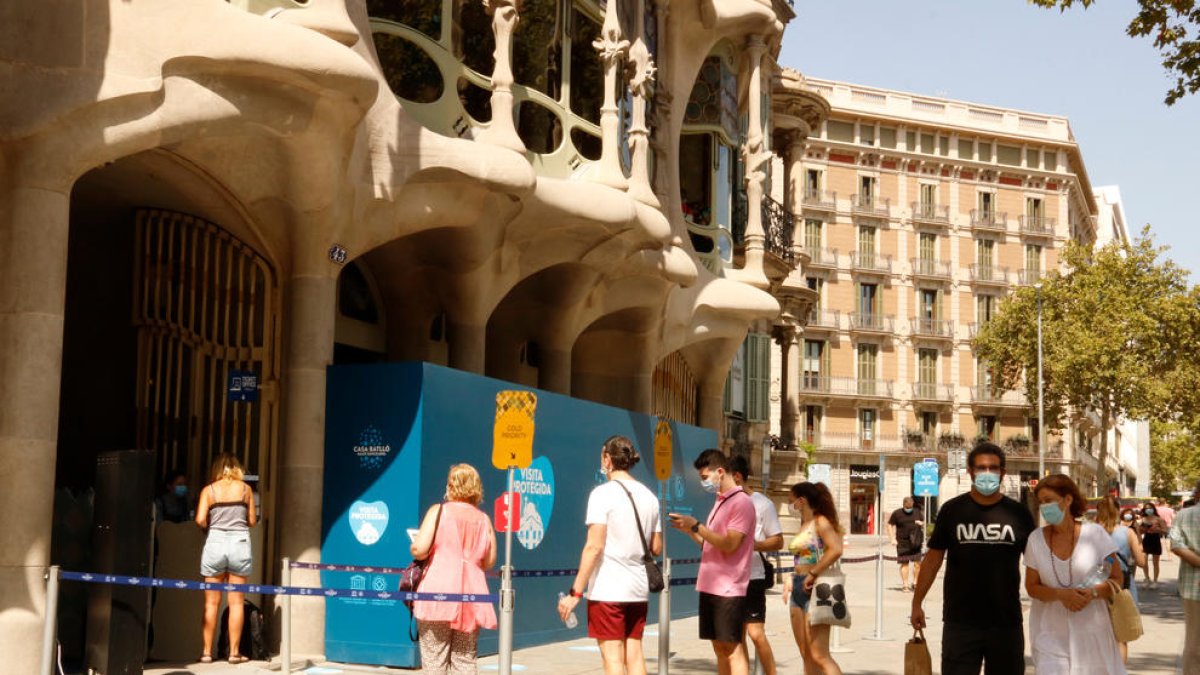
{"x":50,"y":628}
{"x":1041,"y":393}
{"x":285,"y":637}
{"x":506,"y":589}
{"x":879,"y":557}
{"x":664,"y":600}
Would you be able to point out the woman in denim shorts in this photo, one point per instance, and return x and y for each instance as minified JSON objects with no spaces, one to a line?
{"x":226,"y":511}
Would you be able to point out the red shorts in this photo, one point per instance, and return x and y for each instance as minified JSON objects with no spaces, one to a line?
{"x":616,"y":620}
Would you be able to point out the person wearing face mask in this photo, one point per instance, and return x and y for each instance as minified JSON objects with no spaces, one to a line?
{"x":1129,"y":549}
{"x":906,"y":528}
{"x":980,"y":535}
{"x":174,"y":503}
{"x":1067,"y":566}
{"x":1152,"y":528}
{"x":726,"y":540}
{"x":611,"y":570}
{"x":815,"y":548}
{"x":768,"y":536}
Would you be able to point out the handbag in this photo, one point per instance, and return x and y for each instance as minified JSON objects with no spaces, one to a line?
{"x":916,"y":655}
{"x":828,"y":605}
{"x":1126,"y":620}
{"x":768,"y":571}
{"x":412,"y":575}
{"x":654,"y":575}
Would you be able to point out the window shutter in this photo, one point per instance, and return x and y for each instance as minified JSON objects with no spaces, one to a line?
{"x":758,"y":377}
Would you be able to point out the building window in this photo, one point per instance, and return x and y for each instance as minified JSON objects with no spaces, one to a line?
{"x":985,"y":308}
{"x":869,"y":300}
{"x":811,"y":431}
{"x":929,"y":424}
{"x":927,"y":247}
{"x":1035,"y":432}
{"x":812,"y":184}
{"x":816,"y":284}
{"x":1034,"y":210}
{"x":812,"y":234}
{"x":866,"y":427}
{"x":1033,"y":261}
{"x":868,"y":369}
{"x":928,"y":202}
{"x":866,"y":134}
{"x":929,"y":304}
{"x":987,"y":205}
{"x":866,"y":191}
{"x":866,"y":244}
{"x":985,"y":253}
{"x":985,"y":428}
{"x":983,"y":376}
{"x":815,"y":356}
{"x":927,"y":360}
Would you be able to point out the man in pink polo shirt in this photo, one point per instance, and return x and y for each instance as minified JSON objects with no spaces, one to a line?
{"x":726,"y":540}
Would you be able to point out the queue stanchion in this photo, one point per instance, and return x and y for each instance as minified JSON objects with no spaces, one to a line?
{"x":664,"y":616}
{"x":878,"y":634}
{"x":285,"y":633}
{"x":50,"y":628}
{"x":507,"y":594}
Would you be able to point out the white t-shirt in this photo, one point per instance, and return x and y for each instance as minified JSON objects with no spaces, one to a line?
{"x":621,"y":575}
{"x":766,"y":524}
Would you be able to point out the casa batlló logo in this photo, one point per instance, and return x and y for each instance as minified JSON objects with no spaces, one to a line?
{"x":371,"y":449}
{"x":536,"y":485}
{"x":368,"y":521}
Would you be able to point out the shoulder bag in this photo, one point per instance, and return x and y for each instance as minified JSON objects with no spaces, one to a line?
{"x":411,"y":576}
{"x":1126,"y":621}
{"x":654,"y":575}
{"x":768,"y":571}
{"x":828,"y":605}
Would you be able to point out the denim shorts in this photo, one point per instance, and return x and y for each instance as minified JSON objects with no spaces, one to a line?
{"x":226,"y":551}
{"x":800,"y":597}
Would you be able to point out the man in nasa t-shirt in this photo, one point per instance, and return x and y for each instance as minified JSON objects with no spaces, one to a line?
{"x":981,"y":535}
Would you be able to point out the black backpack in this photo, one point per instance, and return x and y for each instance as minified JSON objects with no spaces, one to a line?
{"x":254,"y":634}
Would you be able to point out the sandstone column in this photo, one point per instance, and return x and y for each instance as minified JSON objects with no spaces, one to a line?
{"x":311,"y":309}
{"x":755,"y":159}
{"x":468,"y":345}
{"x":33,"y":272}
{"x":612,"y":49}
{"x":554,"y":373}
{"x":785,"y":337}
{"x":793,"y":363}
{"x":503,"y":130}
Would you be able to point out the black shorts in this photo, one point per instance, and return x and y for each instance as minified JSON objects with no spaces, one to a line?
{"x":722,"y":619}
{"x":908,"y":551}
{"x":999,"y":649}
{"x":756,"y":601}
{"x":1152,"y":544}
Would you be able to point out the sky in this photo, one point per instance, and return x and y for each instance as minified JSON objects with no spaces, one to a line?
{"x":1007,"y":53}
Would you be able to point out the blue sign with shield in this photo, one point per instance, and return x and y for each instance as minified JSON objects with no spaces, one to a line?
{"x":925,"y":479}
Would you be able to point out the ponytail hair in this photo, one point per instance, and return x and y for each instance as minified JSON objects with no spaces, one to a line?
{"x":622,"y":453}
{"x":819,"y":499}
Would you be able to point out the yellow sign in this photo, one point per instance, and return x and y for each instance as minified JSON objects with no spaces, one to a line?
{"x":663,"y":450}
{"x":512,"y":437}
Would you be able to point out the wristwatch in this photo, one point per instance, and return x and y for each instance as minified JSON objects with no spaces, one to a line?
{"x":571,"y":592}
{"x":696,"y":528}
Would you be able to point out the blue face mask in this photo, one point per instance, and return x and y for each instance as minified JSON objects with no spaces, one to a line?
{"x":712,"y":484}
{"x":1052,"y":513}
{"x":987,"y":483}
{"x":180,"y":490}
{"x":908,"y":509}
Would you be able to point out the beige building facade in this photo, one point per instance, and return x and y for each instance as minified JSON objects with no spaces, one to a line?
{"x":919,"y":215}
{"x":194,"y":190}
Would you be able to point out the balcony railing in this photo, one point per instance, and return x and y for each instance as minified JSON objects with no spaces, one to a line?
{"x":778,"y":225}
{"x":932,"y":391}
{"x":872,"y":322}
{"x":870,"y":205}
{"x":988,"y":395}
{"x":845,"y":386}
{"x":875,"y":263}
{"x":988,"y":220}
{"x":989,"y":274}
{"x":819,"y":200}
{"x":932,"y":269}
{"x":822,"y":257}
{"x":938,"y":328}
{"x":927,"y":212}
{"x":974,"y":328}
{"x":824,"y":318}
{"x":1037,"y":226}
{"x":856,"y":442}
{"x":1029,"y":277}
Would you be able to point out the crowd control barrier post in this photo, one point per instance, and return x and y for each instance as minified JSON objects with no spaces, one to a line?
{"x":50,"y":628}
{"x":664,"y":616}
{"x":285,"y":635}
{"x":507,"y":594}
{"x":878,"y":634}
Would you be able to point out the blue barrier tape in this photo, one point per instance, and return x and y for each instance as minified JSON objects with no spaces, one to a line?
{"x":186,"y":585}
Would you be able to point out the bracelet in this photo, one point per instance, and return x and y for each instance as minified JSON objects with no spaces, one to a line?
{"x":571,"y":592}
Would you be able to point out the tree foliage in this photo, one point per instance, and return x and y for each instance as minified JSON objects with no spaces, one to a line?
{"x":1174,"y":26}
{"x":1117,"y":329}
{"x":1174,"y":458}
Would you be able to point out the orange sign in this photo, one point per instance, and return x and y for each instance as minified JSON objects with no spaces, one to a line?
{"x":663,"y":450}
{"x":512,"y":435}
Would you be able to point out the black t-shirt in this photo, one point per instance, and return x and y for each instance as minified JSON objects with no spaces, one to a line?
{"x":909,"y":534}
{"x":983,"y":547}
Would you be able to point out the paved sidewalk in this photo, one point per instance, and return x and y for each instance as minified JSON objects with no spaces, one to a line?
{"x":1155,"y":653}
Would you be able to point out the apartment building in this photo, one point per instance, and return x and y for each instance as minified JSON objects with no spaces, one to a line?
{"x":918,"y":215}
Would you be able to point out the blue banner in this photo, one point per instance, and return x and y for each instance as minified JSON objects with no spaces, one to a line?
{"x":925,"y":479}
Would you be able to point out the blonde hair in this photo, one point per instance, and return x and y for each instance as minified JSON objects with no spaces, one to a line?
{"x":1108,"y":514}
{"x":463,"y":484}
{"x":227,"y":465}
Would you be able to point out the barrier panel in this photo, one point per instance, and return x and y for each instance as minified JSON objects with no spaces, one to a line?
{"x":393,"y":431}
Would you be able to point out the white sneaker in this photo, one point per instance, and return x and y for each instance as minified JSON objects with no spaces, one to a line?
{"x":1154,"y":585}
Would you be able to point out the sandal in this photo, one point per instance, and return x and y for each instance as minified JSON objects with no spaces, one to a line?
{"x":206,"y":658}
{"x":235,"y":659}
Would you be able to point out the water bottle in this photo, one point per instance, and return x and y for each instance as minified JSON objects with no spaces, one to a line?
{"x":571,"y":620}
{"x":1097,"y":576}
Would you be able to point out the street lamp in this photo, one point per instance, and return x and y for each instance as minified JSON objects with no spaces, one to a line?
{"x":1041,"y":392}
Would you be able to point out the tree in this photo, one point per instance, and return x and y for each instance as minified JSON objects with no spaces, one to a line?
{"x":1116,"y":331}
{"x":1175,"y":27}
{"x":1174,"y":459}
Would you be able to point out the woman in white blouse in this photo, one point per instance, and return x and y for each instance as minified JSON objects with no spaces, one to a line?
{"x":1068,"y":564}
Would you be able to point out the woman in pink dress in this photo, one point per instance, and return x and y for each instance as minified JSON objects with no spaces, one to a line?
{"x":460,"y":546}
